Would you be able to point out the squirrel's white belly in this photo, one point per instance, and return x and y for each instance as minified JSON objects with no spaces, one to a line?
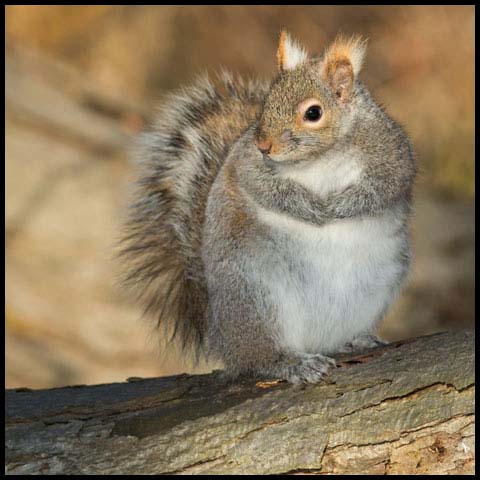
{"x":331,"y":283}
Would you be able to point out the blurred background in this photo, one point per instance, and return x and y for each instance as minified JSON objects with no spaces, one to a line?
{"x":83,"y":81}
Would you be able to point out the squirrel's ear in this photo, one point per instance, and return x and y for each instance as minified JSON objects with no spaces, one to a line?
{"x":289,"y":53}
{"x":342,"y":63}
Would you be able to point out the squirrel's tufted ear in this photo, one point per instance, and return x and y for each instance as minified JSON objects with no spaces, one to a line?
{"x":342,"y":63}
{"x":289,"y":53}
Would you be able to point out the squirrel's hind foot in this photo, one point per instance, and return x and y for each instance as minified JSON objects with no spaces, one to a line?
{"x":363,"y":342}
{"x":302,"y":368}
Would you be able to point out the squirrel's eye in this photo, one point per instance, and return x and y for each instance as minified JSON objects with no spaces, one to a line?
{"x":313,"y":114}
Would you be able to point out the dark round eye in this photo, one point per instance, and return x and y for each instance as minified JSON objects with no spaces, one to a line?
{"x":313,"y":113}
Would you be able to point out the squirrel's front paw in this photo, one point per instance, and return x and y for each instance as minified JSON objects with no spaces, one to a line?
{"x":304,"y":368}
{"x":363,"y":342}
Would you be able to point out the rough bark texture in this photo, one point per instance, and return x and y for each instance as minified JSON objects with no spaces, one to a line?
{"x":404,"y":408}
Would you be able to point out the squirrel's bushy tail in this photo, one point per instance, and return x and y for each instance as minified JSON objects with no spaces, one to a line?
{"x":180,"y":158}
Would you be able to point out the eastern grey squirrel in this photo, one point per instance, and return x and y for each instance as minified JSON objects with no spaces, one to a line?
{"x":271,"y":223}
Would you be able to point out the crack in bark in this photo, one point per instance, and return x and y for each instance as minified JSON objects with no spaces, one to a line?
{"x":404,"y":433}
{"x":387,"y":463}
{"x":410,"y":394}
{"x":193,"y":465}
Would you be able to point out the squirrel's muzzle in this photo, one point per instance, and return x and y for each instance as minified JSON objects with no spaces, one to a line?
{"x":264,"y":146}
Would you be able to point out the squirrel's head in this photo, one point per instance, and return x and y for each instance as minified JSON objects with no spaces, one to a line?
{"x":310,"y":104}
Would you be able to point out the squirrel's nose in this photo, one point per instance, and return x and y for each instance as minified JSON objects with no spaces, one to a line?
{"x":264,"y":146}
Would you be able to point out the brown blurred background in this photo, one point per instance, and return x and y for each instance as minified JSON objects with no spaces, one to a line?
{"x":82,"y":81}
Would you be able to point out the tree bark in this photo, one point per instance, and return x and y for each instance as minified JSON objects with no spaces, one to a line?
{"x":404,"y":408}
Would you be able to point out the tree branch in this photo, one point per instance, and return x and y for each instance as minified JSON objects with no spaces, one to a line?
{"x":404,"y":408}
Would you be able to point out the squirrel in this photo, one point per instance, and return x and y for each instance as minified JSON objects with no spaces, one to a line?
{"x":270,"y":227}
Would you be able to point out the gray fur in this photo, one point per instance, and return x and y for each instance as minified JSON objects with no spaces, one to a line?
{"x":180,"y":157}
{"x":239,"y":252}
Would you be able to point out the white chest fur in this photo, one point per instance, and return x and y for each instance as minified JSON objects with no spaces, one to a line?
{"x":333,"y":173}
{"x":331,"y":283}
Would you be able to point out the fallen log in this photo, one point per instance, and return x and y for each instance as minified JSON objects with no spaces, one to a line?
{"x":404,"y":408}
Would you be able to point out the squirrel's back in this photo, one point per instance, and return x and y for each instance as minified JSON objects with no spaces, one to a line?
{"x":180,"y":158}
